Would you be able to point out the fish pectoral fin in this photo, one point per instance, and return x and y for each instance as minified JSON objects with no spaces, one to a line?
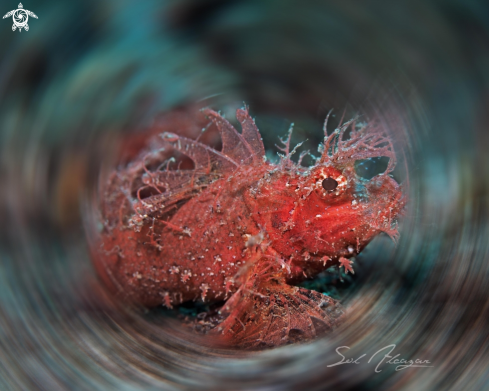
{"x":272,"y":313}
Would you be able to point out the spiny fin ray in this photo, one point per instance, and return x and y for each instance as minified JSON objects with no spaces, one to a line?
{"x":251,"y":134}
{"x":233,"y":144}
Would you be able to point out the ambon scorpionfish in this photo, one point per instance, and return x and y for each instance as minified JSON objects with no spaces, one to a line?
{"x":228,"y":226}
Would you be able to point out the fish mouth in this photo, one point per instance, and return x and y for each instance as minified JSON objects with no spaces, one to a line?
{"x":388,"y":203}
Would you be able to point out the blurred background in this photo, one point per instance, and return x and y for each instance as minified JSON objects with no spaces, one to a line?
{"x":89,"y":73}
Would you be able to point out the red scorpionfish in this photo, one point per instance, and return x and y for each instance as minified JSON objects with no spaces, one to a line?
{"x":231,"y":227}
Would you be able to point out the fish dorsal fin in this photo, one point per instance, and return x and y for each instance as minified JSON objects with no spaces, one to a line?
{"x":163,"y":186}
{"x":203,"y":156}
{"x":251,"y":134}
{"x":190,"y":148}
{"x":233,"y":144}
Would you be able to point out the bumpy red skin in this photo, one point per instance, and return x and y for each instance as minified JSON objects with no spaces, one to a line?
{"x":326,"y":224}
{"x":198,"y":265}
{"x":237,"y":222}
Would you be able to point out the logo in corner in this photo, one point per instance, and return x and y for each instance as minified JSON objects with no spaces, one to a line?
{"x":20,"y":16}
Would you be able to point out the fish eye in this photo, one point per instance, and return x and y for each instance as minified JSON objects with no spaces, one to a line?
{"x":328,"y":181}
{"x":329,"y":184}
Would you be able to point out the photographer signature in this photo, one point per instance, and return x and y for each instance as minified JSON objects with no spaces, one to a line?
{"x":387,"y":358}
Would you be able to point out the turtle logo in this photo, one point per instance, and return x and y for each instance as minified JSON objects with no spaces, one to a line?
{"x":20,"y":17}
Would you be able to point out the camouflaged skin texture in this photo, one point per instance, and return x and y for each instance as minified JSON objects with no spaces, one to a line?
{"x":226,"y":225}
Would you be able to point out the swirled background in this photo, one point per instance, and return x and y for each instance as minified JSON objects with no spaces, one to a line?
{"x":87,"y":73}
